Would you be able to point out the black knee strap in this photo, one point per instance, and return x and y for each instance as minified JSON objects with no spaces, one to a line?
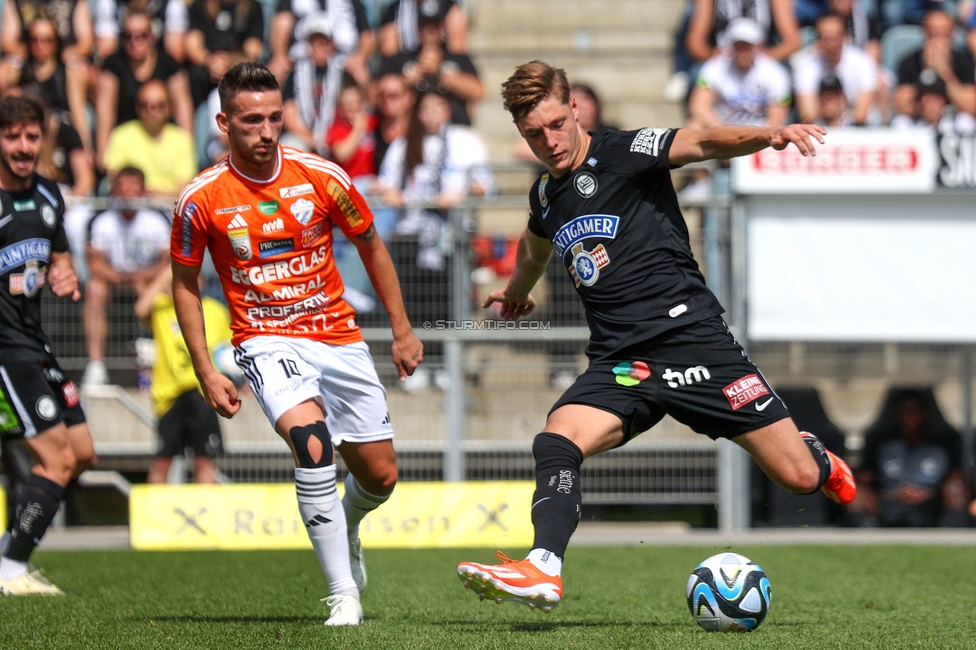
{"x":552,"y":451}
{"x":300,"y":437}
{"x":47,"y":486}
{"x":819,"y":453}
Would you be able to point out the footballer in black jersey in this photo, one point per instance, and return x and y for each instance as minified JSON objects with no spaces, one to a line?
{"x":607,"y":209}
{"x":37,"y":400}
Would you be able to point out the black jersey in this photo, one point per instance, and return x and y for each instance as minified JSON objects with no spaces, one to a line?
{"x":616,"y":225}
{"x":31,"y":228}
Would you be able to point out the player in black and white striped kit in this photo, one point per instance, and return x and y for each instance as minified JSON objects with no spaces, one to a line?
{"x":38,"y":402}
{"x":658,"y":345}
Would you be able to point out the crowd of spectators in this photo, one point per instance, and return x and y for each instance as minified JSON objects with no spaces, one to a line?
{"x":130,"y":87}
{"x":836,"y":63}
{"x":845,"y":63}
{"x":131,"y":75}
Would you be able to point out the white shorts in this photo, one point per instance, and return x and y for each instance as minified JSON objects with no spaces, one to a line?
{"x":284,"y":371}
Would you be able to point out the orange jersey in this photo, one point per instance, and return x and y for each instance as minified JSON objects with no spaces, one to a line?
{"x":271,"y":242}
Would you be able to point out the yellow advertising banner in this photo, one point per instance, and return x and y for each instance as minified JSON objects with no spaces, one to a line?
{"x":3,"y":509}
{"x":265,"y":516}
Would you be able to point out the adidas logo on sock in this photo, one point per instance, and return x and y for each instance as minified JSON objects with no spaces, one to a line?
{"x":318,"y":520}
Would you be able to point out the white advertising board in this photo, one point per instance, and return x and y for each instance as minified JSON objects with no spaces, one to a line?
{"x":852,"y":161}
{"x":900,"y":268}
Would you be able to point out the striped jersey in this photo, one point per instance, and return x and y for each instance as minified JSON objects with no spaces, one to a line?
{"x":271,"y":243}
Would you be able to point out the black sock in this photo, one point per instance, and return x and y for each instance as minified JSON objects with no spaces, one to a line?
{"x":37,"y":502}
{"x":557,"y":499}
{"x":819,"y":453}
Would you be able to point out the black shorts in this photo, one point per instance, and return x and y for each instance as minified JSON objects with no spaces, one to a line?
{"x":697,"y":374}
{"x":35,"y":396}
{"x":189,"y":423}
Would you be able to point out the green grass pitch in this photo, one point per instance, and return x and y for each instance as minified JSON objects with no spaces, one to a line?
{"x":853,"y":597}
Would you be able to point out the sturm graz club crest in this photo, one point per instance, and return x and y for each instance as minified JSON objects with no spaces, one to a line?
{"x":585,"y":184}
{"x":587,"y":264}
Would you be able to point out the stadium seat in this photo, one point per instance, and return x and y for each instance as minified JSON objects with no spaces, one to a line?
{"x":901,"y":40}
{"x":898,"y":42}
{"x":775,"y":507}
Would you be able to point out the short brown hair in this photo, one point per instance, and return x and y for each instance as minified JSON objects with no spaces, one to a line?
{"x":245,"y":77}
{"x":20,"y":110}
{"x":531,"y":83}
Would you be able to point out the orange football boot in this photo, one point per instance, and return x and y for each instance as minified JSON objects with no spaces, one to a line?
{"x":513,"y":581}
{"x":840,"y":486}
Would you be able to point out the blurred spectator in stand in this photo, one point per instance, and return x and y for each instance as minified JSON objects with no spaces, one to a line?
{"x":351,"y":140}
{"x":934,"y":110}
{"x":394,"y":104}
{"x":183,"y":417}
{"x":125,"y":72}
{"x":352,"y":145}
{"x":161,"y":149}
{"x":72,"y":21}
{"x":863,"y":28}
{"x":437,"y":163}
{"x":431,"y":66}
{"x":219,"y":28}
{"x":62,"y":157}
{"x":834,"y":111}
{"x":776,"y":20}
{"x":61,"y":86}
{"x":742,"y":85}
{"x":911,"y":472}
{"x":312,"y":89}
{"x":400,"y":30}
{"x":937,"y":59}
{"x":127,"y":248}
{"x":831,"y":55}
{"x":350,"y":27}
{"x":169,"y":19}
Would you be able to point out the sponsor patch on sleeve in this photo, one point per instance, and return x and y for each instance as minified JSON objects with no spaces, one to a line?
{"x":648,"y":141}
{"x":348,"y":208}
{"x":745,"y":390}
{"x":186,"y":232}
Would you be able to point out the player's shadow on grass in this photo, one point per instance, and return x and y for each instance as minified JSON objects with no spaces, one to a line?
{"x":242,"y":618}
{"x":557,"y":625}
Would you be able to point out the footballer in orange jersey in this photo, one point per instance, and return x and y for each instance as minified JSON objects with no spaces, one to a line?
{"x":266,"y":214}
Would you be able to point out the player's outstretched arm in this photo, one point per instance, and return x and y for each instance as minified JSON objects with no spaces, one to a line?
{"x":724,"y":142}
{"x":62,"y":278}
{"x":408,"y":351}
{"x":531,"y":260}
{"x":218,"y":390}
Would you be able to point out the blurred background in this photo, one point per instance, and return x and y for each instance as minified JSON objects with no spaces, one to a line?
{"x":848,"y":279}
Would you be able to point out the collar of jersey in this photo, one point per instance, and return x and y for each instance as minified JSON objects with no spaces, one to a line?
{"x":230,"y":161}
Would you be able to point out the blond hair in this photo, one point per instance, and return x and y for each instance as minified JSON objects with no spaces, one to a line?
{"x":531,"y":83}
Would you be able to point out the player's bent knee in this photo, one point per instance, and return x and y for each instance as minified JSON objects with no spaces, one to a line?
{"x":387,"y":480}
{"x":313,"y":445}
{"x":803,"y":479}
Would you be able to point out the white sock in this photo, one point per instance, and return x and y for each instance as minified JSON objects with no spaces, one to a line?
{"x":325,"y":522}
{"x":357,"y":502}
{"x":545,"y":561}
{"x":11,"y":568}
